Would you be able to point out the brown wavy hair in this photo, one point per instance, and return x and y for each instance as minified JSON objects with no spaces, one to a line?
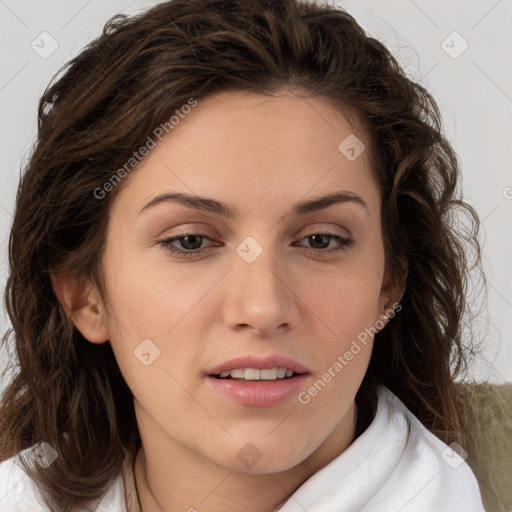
{"x":105,"y":102}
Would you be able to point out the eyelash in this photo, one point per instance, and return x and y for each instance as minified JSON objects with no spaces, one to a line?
{"x":345,"y":243}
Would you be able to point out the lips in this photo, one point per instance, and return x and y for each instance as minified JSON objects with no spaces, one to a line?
{"x":258,"y":392}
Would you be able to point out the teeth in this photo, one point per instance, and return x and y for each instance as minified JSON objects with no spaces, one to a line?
{"x":252,"y":374}
{"x":270,"y":374}
{"x":255,"y":374}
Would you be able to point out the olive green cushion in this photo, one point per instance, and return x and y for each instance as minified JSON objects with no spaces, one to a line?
{"x":488,"y":418}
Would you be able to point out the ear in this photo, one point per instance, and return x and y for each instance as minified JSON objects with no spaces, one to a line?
{"x":392,"y":293}
{"x":83,"y":306}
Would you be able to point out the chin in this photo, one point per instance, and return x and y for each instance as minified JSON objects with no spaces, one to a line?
{"x":264,"y":457}
{"x":264,"y":468}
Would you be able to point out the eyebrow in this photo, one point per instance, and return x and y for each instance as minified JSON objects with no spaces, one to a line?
{"x":213,"y":206}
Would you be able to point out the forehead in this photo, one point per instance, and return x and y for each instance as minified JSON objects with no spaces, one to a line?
{"x":248,"y":147}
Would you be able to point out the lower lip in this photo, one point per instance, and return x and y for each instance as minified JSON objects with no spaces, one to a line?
{"x":259,"y":393}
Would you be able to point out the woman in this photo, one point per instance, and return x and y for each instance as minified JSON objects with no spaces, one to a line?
{"x":237,"y":278}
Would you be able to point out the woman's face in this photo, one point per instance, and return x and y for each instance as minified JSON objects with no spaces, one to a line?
{"x":256,"y":285}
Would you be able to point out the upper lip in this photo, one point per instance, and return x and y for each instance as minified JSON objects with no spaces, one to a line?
{"x":258,"y":362}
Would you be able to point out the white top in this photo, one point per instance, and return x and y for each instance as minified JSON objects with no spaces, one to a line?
{"x":395,"y":465}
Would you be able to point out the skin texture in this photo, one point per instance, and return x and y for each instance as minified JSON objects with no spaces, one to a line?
{"x":259,"y":154}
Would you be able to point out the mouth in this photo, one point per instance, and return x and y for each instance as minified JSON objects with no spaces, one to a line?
{"x":258,"y":382}
{"x":276,"y":373}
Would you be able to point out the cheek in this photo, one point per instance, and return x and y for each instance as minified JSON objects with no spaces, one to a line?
{"x":344,"y":314}
{"x":153,"y":300}
{"x":346,"y":298}
{"x":149,"y":295}
{"x":344,"y":304}
{"x":346,"y":321}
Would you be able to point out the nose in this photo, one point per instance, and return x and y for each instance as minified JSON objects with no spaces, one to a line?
{"x":260,"y":294}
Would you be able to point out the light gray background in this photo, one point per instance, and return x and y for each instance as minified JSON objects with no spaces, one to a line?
{"x":473,"y":89}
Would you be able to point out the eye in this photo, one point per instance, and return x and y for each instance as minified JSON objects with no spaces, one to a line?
{"x":323,"y":240}
{"x":191,"y":243}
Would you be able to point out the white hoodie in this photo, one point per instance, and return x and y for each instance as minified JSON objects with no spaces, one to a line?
{"x":395,"y":465}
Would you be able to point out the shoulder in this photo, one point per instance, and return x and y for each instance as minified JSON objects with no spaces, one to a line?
{"x":430,"y":471}
{"x":394,"y":464}
{"x":19,"y":493}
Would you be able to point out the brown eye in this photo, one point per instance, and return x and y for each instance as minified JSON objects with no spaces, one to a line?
{"x":190,"y":244}
{"x":320,"y":242}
